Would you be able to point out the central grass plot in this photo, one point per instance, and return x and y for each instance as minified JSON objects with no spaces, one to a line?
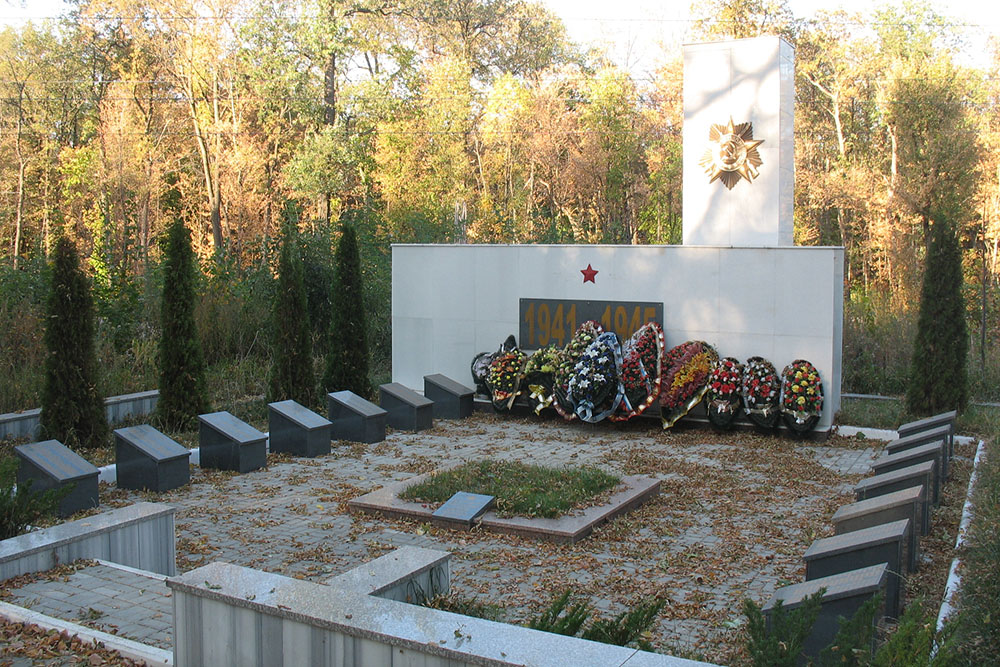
{"x":534,"y":501}
{"x":520,"y":489}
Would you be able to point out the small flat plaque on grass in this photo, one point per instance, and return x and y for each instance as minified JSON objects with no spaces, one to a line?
{"x":464,"y":507}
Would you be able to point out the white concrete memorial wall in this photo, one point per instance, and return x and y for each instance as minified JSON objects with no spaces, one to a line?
{"x":746,"y":81}
{"x":450,"y":302}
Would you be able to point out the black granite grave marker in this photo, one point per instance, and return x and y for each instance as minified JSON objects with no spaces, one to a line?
{"x":885,"y":543}
{"x":946,"y":419}
{"x":354,"y":419}
{"x":921,"y":474}
{"x":845,"y":593}
{"x":297,"y":430}
{"x":407,"y":409}
{"x":52,"y":465}
{"x":895,"y":506}
{"x":451,"y":399}
{"x":230,"y":444}
{"x":939,"y":435}
{"x":935,"y":452}
{"x":464,"y":508}
{"x":147,"y":459}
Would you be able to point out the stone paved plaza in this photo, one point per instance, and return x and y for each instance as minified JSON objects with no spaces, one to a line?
{"x":735,"y":513}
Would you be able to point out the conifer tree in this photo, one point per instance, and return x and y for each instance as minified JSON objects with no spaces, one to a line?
{"x":938,"y":375}
{"x":183,"y":393}
{"x":291,"y":373}
{"x":347,"y":355}
{"x":72,"y":409}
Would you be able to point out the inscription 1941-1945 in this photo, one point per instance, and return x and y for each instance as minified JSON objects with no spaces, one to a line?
{"x":553,"y":321}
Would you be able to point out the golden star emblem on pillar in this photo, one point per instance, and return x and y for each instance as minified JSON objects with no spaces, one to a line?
{"x":732,"y":153}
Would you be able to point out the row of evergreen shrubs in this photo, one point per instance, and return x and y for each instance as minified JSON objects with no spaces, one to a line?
{"x":72,"y":407}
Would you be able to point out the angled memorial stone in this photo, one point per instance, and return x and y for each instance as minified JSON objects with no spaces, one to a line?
{"x":845,"y":593}
{"x":451,"y":399}
{"x":895,"y":506}
{"x":886,"y":543}
{"x":933,"y":452}
{"x":939,"y":435}
{"x":463,"y":508}
{"x":52,"y":465}
{"x":407,"y":409}
{"x":147,"y":459}
{"x":228,"y":443}
{"x":297,"y":430}
{"x":921,"y":474}
{"x":945,"y":419}
{"x":354,"y":419}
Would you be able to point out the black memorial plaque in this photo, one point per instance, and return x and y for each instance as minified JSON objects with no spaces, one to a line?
{"x":228,"y":443}
{"x":553,"y":321}
{"x":464,"y":507}
{"x":52,"y":465}
{"x":355,"y":419}
{"x":451,"y":399}
{"x":297,"y":430}
{"x":147,"y":459}
{"x":407,"y":409}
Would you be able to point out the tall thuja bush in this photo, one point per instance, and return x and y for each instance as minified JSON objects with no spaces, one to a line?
{"x":183,"y":393}
{"x":72,"y":409}
{"x":291,"y":373}
{"x":938,"y":375}
{"x":347,"y":353}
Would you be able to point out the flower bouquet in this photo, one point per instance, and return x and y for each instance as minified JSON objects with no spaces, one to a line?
{"x":685,"y":379}
{"x":585,"y":334}
{"x":595,"y":387}
{"x":642,"y":371}
{"x":723,"y":395}
{"x":481,"y":364}
{"x":801,"y":396}
{"x":539,"y":377}
{"x":504,"y":379}
{"x":761,"y":390}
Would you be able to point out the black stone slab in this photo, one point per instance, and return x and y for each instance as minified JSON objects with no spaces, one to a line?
{"x":297,"y":430}
{"x":355,"y":419}
{"x":228,"y":443}
{"x":905,"y":504}
{"x":407,"y":409}
{"x":452,"y":400}
{"x":885,"y":543}
{"x":921,"y":474}
{"x":52,"y":465}
{"x":943,"y":419}
{"x":147,"y":459}
{"x":463,"y":508}
{"x":845,"y":593}
{"x":935,"y":452}
{"x":940,"y":435}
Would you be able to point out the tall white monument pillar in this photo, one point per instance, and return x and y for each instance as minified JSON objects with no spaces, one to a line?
{"x":739,"y":165}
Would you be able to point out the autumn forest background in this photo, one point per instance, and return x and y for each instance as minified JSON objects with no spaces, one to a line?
{"x":455,"y":121}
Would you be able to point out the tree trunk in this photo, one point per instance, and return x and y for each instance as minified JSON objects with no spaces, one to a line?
{"x":19,"y":214}
{"x":209,"y":174}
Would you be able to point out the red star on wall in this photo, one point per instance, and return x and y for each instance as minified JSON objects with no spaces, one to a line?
{"x":588,"y":274}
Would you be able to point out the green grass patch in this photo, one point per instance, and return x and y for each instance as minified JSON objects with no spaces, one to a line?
{"x":871,"y":412}
{"x":520,"y":489}
{"x":980,"y":420}
{"x":467,"y":606}
{"x":977,"y":627}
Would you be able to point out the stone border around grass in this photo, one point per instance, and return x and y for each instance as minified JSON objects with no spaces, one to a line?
{"x":566,"y":529}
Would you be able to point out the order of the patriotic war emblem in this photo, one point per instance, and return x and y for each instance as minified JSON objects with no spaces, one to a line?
{"x":732,"y":154}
